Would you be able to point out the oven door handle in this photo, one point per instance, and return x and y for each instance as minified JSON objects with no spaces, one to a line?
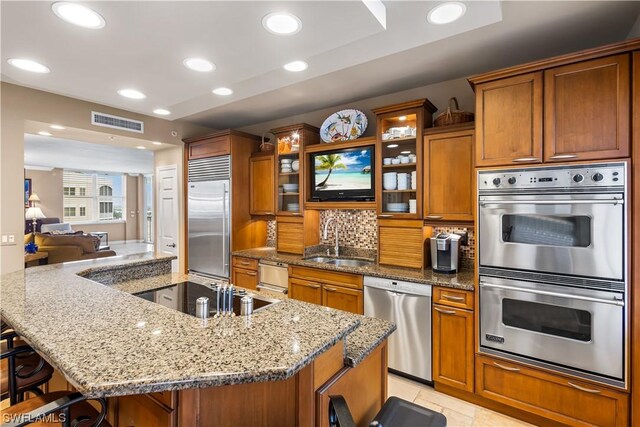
{"x":486,"y":203}
{"x":619,"y":303}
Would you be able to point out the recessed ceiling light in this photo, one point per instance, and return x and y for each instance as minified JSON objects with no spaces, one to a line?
{"x":402,"y":118}
{"x":132,"y":93}
{"x":282,"y":23}
{"x":446,"y":13}
{"x":199,"y":64}
{"x":78,"y":14}
{"x":140,"y":147}
{"x":157,"y":143}
{"x":29,"y":65}
{"x":296,"y":66}
{"x":57,"y":127}
{"x":392,"y":146}
{"x":405,"y":152}
{"x":161,"y":112}
{"x":43,"y":133}
{"x":224,"y":91}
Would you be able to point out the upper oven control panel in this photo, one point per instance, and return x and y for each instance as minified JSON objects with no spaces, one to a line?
{"x":557,"y":177}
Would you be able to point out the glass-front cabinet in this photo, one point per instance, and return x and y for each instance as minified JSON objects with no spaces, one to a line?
{"x":399,"y":158}
{"x":290,"y":143}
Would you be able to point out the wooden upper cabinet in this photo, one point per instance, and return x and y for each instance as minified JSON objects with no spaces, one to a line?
{"x":587,"y":110}
{"x":262,"y":185}
{"x":509,"y":121}
{"x":448,"y":176}
{"x":209,"y":147}
{"x":401,"y":242}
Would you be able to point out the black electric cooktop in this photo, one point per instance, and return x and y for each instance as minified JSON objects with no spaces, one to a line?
{"x":182,"y":297}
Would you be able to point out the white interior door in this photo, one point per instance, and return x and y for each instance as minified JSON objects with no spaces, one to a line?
{"x":167,"y":209}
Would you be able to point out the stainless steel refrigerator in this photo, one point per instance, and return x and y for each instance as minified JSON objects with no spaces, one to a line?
{"x":209,"y":216}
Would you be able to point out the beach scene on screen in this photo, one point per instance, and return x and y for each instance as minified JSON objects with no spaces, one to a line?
{"x":343,"y":171}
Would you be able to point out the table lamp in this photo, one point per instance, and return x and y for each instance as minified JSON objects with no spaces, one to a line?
{"x":33,"y":199}
{"x":34,"y":214}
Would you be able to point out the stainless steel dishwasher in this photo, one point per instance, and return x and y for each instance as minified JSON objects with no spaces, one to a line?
{"x":408,"y":305}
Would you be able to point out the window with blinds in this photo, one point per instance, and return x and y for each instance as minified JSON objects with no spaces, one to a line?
{"x":93,"y":196}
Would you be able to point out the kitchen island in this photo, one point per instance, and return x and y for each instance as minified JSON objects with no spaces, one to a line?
{"x":272,"y":365}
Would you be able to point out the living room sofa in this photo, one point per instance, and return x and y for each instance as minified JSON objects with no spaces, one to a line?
{"x":67,"y":247}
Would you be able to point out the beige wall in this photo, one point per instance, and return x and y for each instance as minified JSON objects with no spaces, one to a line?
{"x":19,"y":104}
{"x":48,"y":186}
{"x":438,"y":94}
{"x":168,"y":157}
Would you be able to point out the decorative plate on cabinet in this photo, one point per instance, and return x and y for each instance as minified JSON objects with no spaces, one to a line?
{"x":344,"y":125}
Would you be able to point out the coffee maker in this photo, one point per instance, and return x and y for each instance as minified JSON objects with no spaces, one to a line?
{"x":445,"y":251}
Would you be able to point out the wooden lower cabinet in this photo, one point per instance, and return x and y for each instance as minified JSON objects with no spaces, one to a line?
{"x":453,"y":347}
{"x":244,"y":278}
{"x":345,"y":299}
{"x":552,"y":396}
{"x":342,"y":291}
{"x":304,"y":290}
{"x":144,"y":410}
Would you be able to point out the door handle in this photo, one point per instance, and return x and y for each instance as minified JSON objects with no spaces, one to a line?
{"x":588,"y":390}
{"x":309,"y":285}
{"x":452,"y":298}
{"x":328,"y":289}
{"x":506,"y":368}
{"x":613,"y":301}
{"x":486,"y":203}
{"x":444,"y":311}
{"x":433,"y":217}
{"x":563,"y":156}
{"x":173,"y":245}
{"x":526,"y":159}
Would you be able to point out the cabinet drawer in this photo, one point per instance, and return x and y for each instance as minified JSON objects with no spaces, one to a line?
{"x":325,"y":276}
{"x":246,"y":263}
{"x":453,"y":297}
{"x":556,"y":397}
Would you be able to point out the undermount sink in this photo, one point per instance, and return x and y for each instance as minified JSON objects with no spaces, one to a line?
{"x":346,"y":262}
{"x":350,"y":262}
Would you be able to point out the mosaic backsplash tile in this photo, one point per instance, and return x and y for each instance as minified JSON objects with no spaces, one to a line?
{"x":356,"y":228}
{"x":271,"y":233}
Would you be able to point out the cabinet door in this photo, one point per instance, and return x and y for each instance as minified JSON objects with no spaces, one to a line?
{"x":556,"y":397}
{"x":448,"y":176}
{"x":217,"y":146}
{"x":244,"y":278}
{"x":509,"y":121}
{"x":306,"y":291}
{"x":453,"y":347}
{"x":142,"y":410}
{"x":262,"y":187}
{"x":587,"y":108}
{"x":401,"y":243}
{"x":343,"y":299}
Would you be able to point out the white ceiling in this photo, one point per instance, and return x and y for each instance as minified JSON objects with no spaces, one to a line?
{"x":52,"y":152}
{"x":350,"y":55}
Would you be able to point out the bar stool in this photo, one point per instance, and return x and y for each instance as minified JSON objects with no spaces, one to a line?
{"x":50,"y":409}
{"x":395,"y":412}
{"x":30,"y":370}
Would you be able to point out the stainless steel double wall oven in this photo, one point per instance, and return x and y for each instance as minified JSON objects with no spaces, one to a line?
{"x":553,"y":268}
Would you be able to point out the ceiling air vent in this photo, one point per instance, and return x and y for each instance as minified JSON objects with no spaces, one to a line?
{"x":107,"y":120}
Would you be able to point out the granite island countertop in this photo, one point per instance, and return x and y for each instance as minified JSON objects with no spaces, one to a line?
{"x":462,"y":280}
{"x":108,"y":342}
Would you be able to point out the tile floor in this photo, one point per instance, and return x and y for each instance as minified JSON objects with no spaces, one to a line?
{"x":459,"y":413}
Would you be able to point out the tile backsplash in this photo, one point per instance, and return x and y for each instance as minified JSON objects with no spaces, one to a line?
{"x":271,"y":233}
{"x":356,"y":228}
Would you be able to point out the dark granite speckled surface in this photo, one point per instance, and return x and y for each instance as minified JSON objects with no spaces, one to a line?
{"x":462,"y":280}
{"x":107,"y":342}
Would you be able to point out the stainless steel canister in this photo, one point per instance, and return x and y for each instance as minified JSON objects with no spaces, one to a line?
{"x":246,"y":305}
{"x":202,"y":307}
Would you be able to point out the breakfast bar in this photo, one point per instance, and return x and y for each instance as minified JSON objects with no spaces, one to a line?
{"x":184,"y":368}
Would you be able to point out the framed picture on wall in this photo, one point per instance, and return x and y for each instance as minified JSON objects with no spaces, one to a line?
{"x":27,"y":191}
